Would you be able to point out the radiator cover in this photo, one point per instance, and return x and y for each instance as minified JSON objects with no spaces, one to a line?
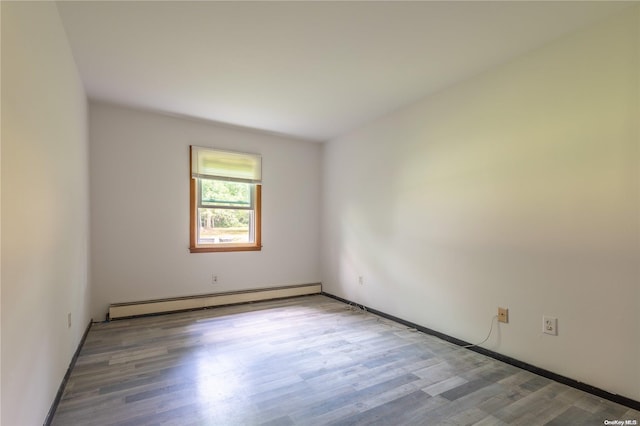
{"x":147,"y":307}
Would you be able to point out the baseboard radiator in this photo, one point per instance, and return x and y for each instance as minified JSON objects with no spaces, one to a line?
{"x":148,"y":307}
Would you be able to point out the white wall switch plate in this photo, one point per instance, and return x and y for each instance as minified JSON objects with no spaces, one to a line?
{"x":550,"y":325}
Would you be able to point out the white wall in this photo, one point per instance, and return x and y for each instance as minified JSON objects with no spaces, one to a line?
{"x":517,"y":188}
{"x":140,"y":209}
{"x":45,"y":217}
{"x":0,"y":228}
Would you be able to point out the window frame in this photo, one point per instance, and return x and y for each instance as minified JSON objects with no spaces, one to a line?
{"x":194,"y":222}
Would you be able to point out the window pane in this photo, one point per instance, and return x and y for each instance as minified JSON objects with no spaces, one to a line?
{"x":224,"y":226}
{"x":217,"y":193}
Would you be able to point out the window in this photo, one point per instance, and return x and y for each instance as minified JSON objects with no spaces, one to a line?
{"x":225,"y":201}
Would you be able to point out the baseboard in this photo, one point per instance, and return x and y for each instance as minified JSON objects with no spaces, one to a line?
{"x":628,"y":402}
{"x":176,"y":304}
{"x":65,"y":379}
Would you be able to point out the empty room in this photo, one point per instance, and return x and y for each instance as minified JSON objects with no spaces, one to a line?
{"x":319,"y":212}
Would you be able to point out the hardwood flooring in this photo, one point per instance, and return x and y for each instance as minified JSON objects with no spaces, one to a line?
{"x":304,"y":361}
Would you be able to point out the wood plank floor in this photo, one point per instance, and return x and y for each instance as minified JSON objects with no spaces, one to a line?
{"x":304,"y":361}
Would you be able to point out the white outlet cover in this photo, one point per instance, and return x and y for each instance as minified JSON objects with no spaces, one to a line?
{"x":550,"y":325}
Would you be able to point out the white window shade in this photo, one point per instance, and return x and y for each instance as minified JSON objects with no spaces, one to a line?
{"x":225,"y":165}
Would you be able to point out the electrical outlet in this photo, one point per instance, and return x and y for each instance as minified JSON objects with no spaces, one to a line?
{"x":550,"y":325}
{"x":361,"y":280}
{"x":214,"y":279}
{"x":503,"y":315}
{"x":69,"y":320}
